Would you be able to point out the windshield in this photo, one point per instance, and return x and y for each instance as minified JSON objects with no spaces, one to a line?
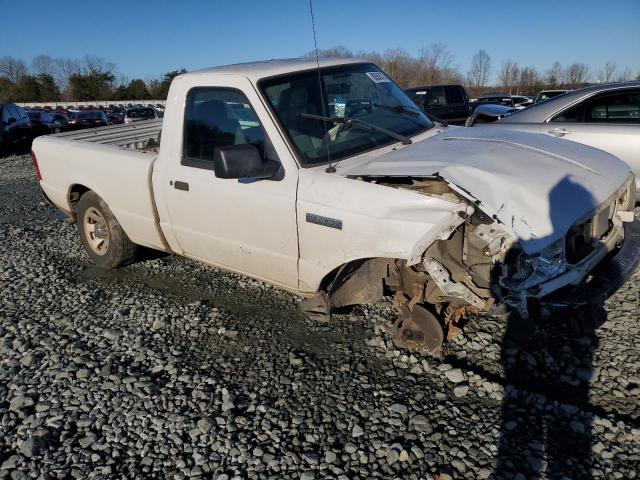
{"x":362,"y":93}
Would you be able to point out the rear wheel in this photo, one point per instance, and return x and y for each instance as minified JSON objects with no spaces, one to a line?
{"x":106,"y":244}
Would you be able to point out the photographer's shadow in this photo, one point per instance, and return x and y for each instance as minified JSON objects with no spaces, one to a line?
{"x":546,"y":418}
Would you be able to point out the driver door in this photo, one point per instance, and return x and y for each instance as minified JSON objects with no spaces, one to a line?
{"x":244,"y":225}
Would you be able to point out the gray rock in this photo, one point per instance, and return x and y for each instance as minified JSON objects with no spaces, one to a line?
{"x":420,"y":423}
{"x":88,"y":440}
{"x":455,"y":375}
{"x":206,"y":424}
{"x":399,"y":408}
{"x":31,"y":447}
{"x":330,"y":456}
{"x":461,"y":390}
{"x":577,"y":427}
{"x":511,"y":425}
{"x":10,"y":463}
{"x":112,"y":334}
{"x":392,"y":456}
{"x":19,"y":403}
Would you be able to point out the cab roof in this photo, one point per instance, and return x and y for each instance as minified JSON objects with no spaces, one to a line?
{"x":269,"y":68}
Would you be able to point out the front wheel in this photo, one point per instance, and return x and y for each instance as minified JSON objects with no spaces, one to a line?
{"x":106,"y":244}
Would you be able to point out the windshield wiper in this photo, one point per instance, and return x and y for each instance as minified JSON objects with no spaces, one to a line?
{"x":353,"y":122}
{"x":402,"y":109}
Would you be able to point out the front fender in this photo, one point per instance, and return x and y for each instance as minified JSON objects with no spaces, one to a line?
{"x":341,"y":220}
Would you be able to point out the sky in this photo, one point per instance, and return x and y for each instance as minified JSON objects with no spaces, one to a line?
{"x":147,"y":38}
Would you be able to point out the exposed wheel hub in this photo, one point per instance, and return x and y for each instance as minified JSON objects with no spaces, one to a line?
{"x":100,"y":230}
{"x":419,"y":329}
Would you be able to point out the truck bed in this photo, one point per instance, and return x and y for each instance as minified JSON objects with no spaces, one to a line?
{"x":143,"y":135}
{"x":116,"y":162}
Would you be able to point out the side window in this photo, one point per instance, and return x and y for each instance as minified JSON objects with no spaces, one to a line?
{"x":12,"y":111}
{"x":435,"y":97}
{"x":454,"y":95}
{"x":574,"y":114}
{"x":5,"y":114}
{"x":621,"y":107}
{"x":219,"y":117}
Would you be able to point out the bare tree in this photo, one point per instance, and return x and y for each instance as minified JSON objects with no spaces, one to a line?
{"x":399,"y":65}
{"x":435,"y":63}
{"x":43,"y":65}
{"x":605,"y":75}
{"x":528,"y":81}
{"x":13,"y":69}
{"x":338,"y":51}
{"x":625,"y":75}
{"x":577,"y":74}
{"x":554,"y":77}
{"x":480,"y":68}
{"x":508,"y":75}
{"x":92,"y":64}
{"x":64,"y":68}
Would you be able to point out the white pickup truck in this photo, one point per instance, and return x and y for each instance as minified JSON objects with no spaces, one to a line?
{"x":326,"y":180}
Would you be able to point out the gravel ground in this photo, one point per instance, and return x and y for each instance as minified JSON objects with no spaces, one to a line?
{"x":170,"y":369}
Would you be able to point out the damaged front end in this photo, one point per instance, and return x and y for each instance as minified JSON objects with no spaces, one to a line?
{"x":568,"y":263}
{"x":433,"y":290}
{"x":469,"y":269}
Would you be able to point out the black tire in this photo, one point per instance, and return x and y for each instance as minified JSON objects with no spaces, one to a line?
{"x":106,"y":244}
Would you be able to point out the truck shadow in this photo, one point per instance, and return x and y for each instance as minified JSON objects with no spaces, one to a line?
{"x":546,"y":418}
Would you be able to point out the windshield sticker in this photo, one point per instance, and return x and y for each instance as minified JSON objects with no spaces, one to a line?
{"x":378,"y":77}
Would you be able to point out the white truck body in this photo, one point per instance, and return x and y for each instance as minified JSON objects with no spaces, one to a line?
{"x":296,"y":231}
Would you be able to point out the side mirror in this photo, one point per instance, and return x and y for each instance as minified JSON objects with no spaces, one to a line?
{"x":242,"y":161}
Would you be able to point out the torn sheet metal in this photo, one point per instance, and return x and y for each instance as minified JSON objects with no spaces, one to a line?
{"x":450,"y":288}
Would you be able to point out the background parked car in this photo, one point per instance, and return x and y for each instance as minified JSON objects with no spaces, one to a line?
{"x":602,"y":116}
{"x":137,"y":114}
{"x":87,"y":119}
{"x":15,"y":127}
{"x":115,"y":118}
{"x":521,"y":101}
{"x":62,"y":119}
{"x":488,"y":113}
{"x":446,"y":102}
{"x":42,"y":123}
{"x":495,"y":99}
{"x":547,"y":94}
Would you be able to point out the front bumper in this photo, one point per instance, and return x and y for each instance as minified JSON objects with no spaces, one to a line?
{"x":603,"y":280}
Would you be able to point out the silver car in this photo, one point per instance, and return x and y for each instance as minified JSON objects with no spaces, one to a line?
{"x":602,"y":116}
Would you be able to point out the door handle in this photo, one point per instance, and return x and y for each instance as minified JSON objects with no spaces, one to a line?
{"x":178,"y":185}
{"x":559,"y":132}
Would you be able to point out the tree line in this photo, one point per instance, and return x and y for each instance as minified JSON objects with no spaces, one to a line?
{"x":434,"y":64}
{"x":90,"y":78}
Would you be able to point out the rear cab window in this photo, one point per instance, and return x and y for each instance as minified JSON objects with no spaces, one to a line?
{"x":435,"y":97}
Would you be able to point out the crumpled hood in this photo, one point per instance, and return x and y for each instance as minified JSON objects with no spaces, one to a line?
{"x":537,"y":186}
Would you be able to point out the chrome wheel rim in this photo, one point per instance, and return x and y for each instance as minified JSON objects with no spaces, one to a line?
{"x":95,"y":231}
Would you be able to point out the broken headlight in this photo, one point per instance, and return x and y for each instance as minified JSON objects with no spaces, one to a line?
{"x":531,"y":270}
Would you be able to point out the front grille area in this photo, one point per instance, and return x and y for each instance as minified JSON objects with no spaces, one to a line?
{"x":584,"y":236}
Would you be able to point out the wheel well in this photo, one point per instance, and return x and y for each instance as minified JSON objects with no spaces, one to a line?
{"x":75,"y":192}
{"x":356,"y":282}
